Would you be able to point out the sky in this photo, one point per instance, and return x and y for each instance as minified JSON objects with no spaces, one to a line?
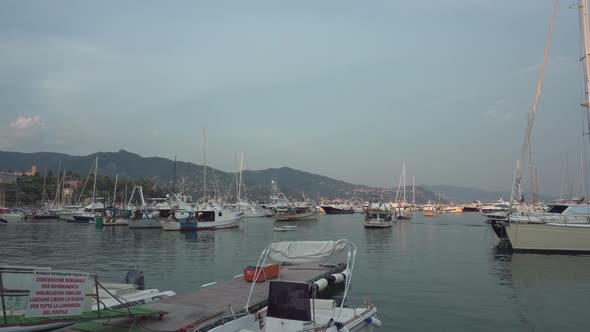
{"x":346,"y":89}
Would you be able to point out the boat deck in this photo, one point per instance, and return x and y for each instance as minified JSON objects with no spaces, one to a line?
{"x":211,"y":303}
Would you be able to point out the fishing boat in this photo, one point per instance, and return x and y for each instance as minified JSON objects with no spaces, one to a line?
{"x":304,"y":211}
{"x":213,"y":216}
{"x":377,"y":215}
{"x":298,"y":306}
{"x":337,"y":209}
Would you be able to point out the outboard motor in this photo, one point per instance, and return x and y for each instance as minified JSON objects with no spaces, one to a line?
{"x":135,"y":277}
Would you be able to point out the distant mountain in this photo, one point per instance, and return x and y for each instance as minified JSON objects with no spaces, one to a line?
{"x":189,"y":176}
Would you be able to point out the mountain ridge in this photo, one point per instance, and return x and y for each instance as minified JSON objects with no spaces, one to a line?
{"x":294,"y":183}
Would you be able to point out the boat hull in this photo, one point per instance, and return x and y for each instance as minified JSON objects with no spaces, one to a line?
{"x":378,"y":224}
{"x":333,"y":210}
{"x":169,"y":225}
{"x":549,"y":237}
{"x":144,"y":223}
{"x":12,"y":217}
{"x":296,"y":217}
{"x":222,"y":224}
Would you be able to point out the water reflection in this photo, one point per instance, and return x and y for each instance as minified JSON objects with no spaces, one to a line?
{"x":541,"y":285}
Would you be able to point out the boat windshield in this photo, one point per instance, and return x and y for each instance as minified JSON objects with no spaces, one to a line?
{"x":289,"y":300}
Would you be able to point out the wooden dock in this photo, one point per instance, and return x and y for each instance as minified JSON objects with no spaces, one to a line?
{"x":210,"y":304}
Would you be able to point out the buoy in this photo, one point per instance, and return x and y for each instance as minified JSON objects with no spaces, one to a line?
{"x":373,"y":321}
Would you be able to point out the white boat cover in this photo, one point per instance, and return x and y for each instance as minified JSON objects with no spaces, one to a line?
{"x":305,"y":251}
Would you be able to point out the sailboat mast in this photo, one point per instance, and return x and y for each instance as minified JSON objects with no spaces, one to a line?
{"x":404,"y":175}
{"x":240,"y":182}
{"x":413,"y":192}
{"x":204,"y":163}
{"x":174,"y":183}
{"x":531,"y":119}
{"x":95,"y":171}
{"x":115,"y":192}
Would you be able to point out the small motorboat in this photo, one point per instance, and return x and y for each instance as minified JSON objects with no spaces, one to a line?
{"x":285,"y":228}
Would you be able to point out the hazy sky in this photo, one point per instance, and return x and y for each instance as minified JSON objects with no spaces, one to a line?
{"x":347,"y":89}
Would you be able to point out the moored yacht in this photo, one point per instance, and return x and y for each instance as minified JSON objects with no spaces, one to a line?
{"x":429,"y":210}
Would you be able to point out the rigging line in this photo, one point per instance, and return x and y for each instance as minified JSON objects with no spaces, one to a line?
{"x":537,"y":97}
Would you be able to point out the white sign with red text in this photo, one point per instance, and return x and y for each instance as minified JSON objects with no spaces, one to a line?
{"x":57,"y":293}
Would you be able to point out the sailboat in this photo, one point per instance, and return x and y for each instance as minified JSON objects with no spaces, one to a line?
{"x":94,"y":209}
{"x":542,"y":231}
{"x":402,"y":212}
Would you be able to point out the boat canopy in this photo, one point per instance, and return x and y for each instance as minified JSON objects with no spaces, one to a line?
{"x":305,"y":251}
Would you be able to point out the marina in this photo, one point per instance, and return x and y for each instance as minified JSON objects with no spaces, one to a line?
{"x":406,"y":270}
{"x":292,"y":218}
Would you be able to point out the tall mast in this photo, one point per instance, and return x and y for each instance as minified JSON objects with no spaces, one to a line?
{"x":95,"y":171}
{"x":44,"y":193}
{"x":174,"y":183}
{"x":57,"y":187}
{"x":586,"y":28}
{"x":404,"y":175}
{"x":240,"y":181}
{"x":204,"y":163}
{"x":413,"y":192}
{"x":115,"y":192}
{"x":531,"y":119}
{"x":586,"y":103}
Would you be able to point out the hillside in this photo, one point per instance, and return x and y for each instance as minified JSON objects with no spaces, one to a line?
{"x":294,"y":183}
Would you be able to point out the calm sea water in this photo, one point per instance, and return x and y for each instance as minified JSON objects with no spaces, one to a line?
{"x":440,"y":273}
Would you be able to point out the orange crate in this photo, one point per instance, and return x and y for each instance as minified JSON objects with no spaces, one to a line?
{"x":269,"y":271}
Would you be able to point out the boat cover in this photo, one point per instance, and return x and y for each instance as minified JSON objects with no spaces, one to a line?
{"x":305,"y":251}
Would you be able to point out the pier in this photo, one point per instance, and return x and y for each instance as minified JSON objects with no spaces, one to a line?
{"x":209,"y":305}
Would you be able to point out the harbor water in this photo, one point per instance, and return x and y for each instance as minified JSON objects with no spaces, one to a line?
{"x":424,"y":274}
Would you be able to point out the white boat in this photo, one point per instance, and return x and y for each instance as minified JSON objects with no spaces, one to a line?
{"x":293,"y":306}
{"x":451,"y":208}
{"x":7,"y":216}
{"x":170,"y":224}
{"x":377,"y":215}
{"x":499,"y":206}
{"x":216,"y":216}
{"x":401,"y":206}
{"x":429,"y":210}
{"x":305,"y":211}
{"x":567,"y":227}
{"x":285,"y":228}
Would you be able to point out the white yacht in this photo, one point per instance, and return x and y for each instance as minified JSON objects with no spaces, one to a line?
{"x":429,"y":210}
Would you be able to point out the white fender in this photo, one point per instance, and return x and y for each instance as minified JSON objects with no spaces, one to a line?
{"x":373,"y":321}
{"x":321,"y":284}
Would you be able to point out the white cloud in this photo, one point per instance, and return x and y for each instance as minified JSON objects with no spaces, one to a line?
{"x":26,"y":122}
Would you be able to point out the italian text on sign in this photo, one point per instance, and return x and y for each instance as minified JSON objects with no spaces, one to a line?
{"x":57,"y":293}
